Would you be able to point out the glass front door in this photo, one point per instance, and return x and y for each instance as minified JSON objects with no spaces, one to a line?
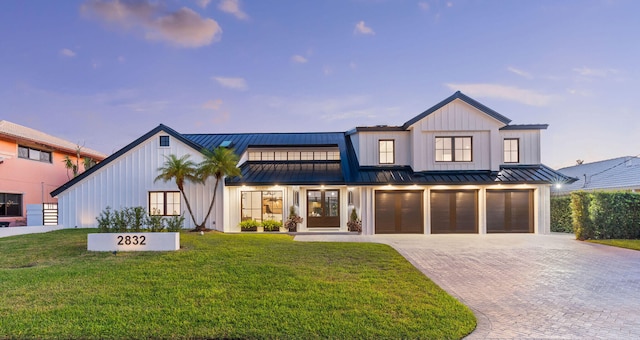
{"x":323,"y":208}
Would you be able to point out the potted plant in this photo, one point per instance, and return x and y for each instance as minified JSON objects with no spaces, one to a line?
{"x":354,"y":224}
{"x":292,"y":222}
{"x":271,"y":225}
{"x":250,"y":225}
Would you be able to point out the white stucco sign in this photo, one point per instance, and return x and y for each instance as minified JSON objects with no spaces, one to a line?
{"x":133,"y":242}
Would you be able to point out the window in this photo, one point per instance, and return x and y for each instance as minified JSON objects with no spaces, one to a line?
{"x":164,"y":203}
{"x":164,"y":140}
{"x":261,"y":205}
{"x":294,"y":155}
{"x":511,"y":153}
{"x":10,"y":204}
{"x":453,"y":149}
{"x":386,"y":151}
{"x":34,"y":154}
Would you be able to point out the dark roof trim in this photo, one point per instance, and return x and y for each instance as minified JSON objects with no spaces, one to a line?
{"x":525,"y":127}
{"x":122,"y":151}
{"x":466,"y":99}
{"x":375,"y":128}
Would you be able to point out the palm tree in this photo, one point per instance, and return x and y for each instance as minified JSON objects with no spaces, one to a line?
{"x":218,"y":163}
{"x":68,"y":163}
{"x":179,"y":169}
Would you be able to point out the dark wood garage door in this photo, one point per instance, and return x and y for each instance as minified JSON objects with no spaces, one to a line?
{"x":399,"y":212}
{"x":509,"y":211}
{"x":454,"y":211}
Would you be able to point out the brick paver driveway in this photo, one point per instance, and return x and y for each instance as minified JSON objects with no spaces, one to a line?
{"x":529,"y":286}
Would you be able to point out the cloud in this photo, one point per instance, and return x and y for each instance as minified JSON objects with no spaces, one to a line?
{"x":592,"y":72}
{"x":511,"y":93}
{"x":182,"y":28}
{"x":233,"y":7}
{"x":362,"y":28}
{"x":232,"y":83}
{"x":519,"y":72}
{"x":212,"y":104}
{"x":298,"y":59}
{"x":423,"y":5}
{"x":203,"y":3}
{"x":327,"y":70}
{"x":67,"y":53}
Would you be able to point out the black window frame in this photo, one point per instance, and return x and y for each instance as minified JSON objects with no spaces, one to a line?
{"x":453,"y":149}
{"x":164,"y":203}
{"x":164,"y":141}
{"x":393,"y":151}
{"x":504,"y":150}
{"x":3,"y":206}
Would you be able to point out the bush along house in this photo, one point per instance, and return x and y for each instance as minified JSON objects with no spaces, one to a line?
{"x":458,"y":167}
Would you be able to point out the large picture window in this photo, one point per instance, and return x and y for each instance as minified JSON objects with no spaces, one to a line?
{"x":10,"y":204}
{"x":34,"y":154}
{"x":511,"y":150}
{"x":386,"y":150}
{"x":261,"y":205}
{"x":453,"y":149}
{"x":164,"y":203}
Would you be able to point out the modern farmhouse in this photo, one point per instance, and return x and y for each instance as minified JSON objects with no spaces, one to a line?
{"x":459,"y":167}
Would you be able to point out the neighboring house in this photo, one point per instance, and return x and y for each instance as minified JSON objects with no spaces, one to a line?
{"x":31,"y":165}
{"x":458,"y":167}
{"x":622,"y":173}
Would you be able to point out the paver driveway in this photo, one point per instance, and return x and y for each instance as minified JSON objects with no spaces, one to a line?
{"x":528,"y":286}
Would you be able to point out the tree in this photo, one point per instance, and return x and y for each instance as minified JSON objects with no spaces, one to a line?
{"x":68,"y":163}
{"x":218,"y":163}
{"x":88,"y":163}
{"x":180,"y":170}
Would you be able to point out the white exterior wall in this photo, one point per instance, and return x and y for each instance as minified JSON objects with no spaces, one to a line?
{"x":127,"y":181}
{"x":541,"y":204}
{"x":457,"y":119}
{"x":529,"y":145}
{"x":368,"y":147}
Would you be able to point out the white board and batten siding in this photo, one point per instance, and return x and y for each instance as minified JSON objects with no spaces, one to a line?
{"x":127,"y":181}
{"x":529,"y":144}
{"x":367,"y":147}
{"x":457,"y":119}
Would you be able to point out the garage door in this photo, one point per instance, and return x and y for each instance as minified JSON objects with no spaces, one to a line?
{"x":509,"y":211}
{"x":454,"y":211}
{"x":399,"y":212}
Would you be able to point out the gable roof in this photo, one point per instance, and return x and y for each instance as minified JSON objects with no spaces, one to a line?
{"x":23,"y":133}
{"x":122,"y":151}
{"x":464,"y":98}
{"x":622,"y":173}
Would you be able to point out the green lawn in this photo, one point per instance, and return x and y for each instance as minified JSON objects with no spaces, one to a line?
{"x":219,"y":286}
{"x":630,"y":244}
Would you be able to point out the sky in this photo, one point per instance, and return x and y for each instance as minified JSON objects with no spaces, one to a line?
{"x":102,"y":73}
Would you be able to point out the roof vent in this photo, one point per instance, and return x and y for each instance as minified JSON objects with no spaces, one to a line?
{"x":226,"y":144}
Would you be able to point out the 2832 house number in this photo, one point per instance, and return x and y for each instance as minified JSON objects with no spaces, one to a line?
{"x":132,"y":240}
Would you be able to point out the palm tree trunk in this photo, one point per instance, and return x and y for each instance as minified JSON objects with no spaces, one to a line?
{"x":215,"y":191}
{"x":186,"y":201}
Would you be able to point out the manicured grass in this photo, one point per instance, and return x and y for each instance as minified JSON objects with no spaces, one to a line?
{"x":629,"y":244}
{"x":219,"y":286}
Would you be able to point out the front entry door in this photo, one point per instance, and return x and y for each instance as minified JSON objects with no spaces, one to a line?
{"x":323,"y":208}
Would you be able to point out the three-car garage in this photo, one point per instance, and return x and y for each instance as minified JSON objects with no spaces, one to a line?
{"x":454,"y":211}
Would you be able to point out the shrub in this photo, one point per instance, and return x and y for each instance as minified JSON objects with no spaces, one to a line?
{"x":606,"y":215}
{"x":561,"y":214}
{"x":105,"y":220}
{"x":354,"y":224}
{"x":175,"y":223}
{"x":249,"y":225}
{"x":582,"y":225}
{"x":155,"y":223}
{"x":292,"y":222}
{"x":120,"y":221}
{"x":137,"y":217}
{"x":271,"y":225}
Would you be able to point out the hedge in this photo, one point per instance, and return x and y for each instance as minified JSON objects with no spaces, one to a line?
{"x":561,"y":214}
{"x":606,"y":215}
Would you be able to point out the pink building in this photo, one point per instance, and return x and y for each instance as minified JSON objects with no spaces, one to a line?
{"x":32,"y":164}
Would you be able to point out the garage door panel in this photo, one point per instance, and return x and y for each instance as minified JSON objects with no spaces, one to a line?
{"x":509,"y":211}
{"x":399,"y":212}
{"x":454,"y":211}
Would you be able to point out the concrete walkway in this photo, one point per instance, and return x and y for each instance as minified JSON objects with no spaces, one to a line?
{"x":528,"y":286}
{"x":14,"y":231}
